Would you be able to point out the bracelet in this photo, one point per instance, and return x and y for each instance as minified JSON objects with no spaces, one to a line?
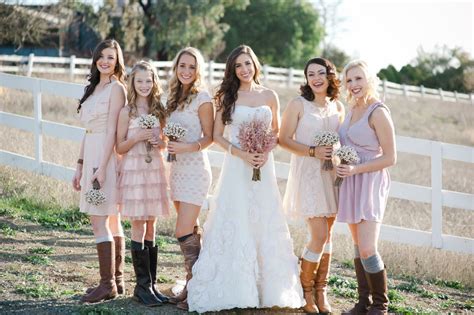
{"x":229,"y":149}
{"x":199,"y":144}
{"x":80,"y":161}
{"x":311,"y":151}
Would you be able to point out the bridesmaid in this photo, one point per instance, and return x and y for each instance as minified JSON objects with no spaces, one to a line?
{"x":142,"y":183}
{"x":189,"y":105}
{"x":310,"y":193}
{"x":368,"y":128}
{"x":99,"y":108}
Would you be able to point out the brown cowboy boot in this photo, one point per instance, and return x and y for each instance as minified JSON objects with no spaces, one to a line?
{"x":362,"y":306}
{"x":119,"y":242}
{"x":119,"y":263}
{"x":107,"y":288}
{"x":190,"y":248}
{"x":379,"y":290}
{"x":184,"y":293}
{"x":321,"y":284}
{"x":307,"y":282}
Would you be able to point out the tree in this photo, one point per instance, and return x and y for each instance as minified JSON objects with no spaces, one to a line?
{"x":172,"y":25}
{"x":338,"y":57}
{"x":282,"y":33}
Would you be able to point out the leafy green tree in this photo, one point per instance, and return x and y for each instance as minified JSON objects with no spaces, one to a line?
{"x":281,"y":32}
{"x":338,"y":57}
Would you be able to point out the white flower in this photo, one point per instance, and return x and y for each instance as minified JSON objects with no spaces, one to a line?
{"x":95,"y":197}
{"x":348,"y":154}
{"x":324,"y":138}
{"x":174,"y":131}
{"x":148,"y":121}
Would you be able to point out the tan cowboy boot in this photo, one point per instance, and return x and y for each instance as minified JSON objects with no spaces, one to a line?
{"x":107,"y":288}
{"x":191,"y":248}
{"x":321,"y":284}
{"x":307,"y":282}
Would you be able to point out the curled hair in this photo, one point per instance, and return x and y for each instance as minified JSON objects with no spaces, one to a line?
{"x":331,"y":73}
{"x":94,"y":76}
{"x":155,"y":105}
{"x":372,"y":79}
{"x":226,"y":96}
{"x":178,"y":97}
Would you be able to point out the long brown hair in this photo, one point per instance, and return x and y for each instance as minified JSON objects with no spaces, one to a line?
{"x":226,"y":96}
{"x":155,"y":106}
{"x":177,"y":96}
{"x":331,"y":73}
{"x":94,"y":76}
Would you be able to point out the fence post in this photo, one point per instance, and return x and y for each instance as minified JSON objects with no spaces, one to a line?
{"x":456,"y":96}
{"x":265,"y":74}
{"x":472,"y":98}
{"x":29,"y":70}
{"x":72,"y":67}
{"x":441,"y":95}
{"x":289,"y":83}
{"x":405,"y":90}
{"x":38,"y":125}
{"x":384,"y":86}
{"x":436,"y":196}
{"x":422,"y":91}
{"x":210,"y":72}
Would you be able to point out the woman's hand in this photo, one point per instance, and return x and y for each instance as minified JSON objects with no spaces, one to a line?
{"x":175,"y":147}
{"x":76,"y":180}
{"x":323,"y":152}
{"x":100,"y":176}
{"x":144,"y":135}
{"x":345,"y":170}
{"x":256,"y":160}
{"x":156,"y":142}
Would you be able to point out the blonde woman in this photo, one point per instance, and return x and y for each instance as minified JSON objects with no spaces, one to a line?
{"x":369,"y":129}
{"x":142,"y":183}
{"x":310,"y":193}
{"x":99,"y":108}
{"x":190,"y":178}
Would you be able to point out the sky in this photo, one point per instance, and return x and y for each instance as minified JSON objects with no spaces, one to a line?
{"x":384,"y":32}
{"x":387,"y":32}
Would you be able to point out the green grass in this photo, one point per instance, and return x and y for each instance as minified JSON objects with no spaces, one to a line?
{"x":35,"y":290}
{"x":395,"y":296}
{"x":164,"y":279}
{"x":49,"y":215}
{"x":348,"y":263}
{"x":449,"y":284}
{"x":42,"y":250}
{"x":6,"y":230}
{"x":38,"y":260}
{"x":343,"y":287}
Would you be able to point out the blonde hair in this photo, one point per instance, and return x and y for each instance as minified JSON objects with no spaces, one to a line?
{"x":177,"y":97}
{"x":372,"y":79}
{"x":155,"y":106}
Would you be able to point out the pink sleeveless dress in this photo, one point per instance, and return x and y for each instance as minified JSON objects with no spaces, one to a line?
{"x":143,"y":186}
{"x":310,"y":191}
{"x":191,"y":175}
{"x":363,"y":196}
{"x":94,"y":114}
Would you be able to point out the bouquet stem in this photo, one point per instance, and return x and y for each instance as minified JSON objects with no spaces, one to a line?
{"x":256,"y":175}
{"x":148,"y":157}
{"x":327,"y":165}
{"x":339,"y":180}
{"x":171,"y":157}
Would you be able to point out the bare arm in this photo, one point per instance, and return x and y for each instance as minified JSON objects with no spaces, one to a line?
{"x":124,"y":144}
{"x":76,"y":180}
{"x":117,"y":101}
{"x":341,"y":112}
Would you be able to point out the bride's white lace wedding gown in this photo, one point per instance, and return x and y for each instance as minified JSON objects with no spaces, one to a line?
{"x":247,"y":257}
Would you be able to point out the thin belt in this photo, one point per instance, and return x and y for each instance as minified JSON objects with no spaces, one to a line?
{"x":90,"y":131}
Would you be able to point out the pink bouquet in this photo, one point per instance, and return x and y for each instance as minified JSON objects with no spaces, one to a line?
{"x":255,"y":137}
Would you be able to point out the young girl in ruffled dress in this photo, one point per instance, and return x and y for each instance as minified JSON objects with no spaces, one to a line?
{"x":142,"y":181}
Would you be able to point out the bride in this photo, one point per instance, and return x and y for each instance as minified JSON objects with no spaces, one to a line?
{"x":247,"y":258}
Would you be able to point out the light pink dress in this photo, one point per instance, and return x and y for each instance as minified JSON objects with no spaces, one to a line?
{"x":191,"y":175}
{"x":142,"y":185}
{"x":310,"y":191}
{"x":94,"y":114}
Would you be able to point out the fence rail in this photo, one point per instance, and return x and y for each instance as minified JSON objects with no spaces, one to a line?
{"x":214,"y":72}
{"x":435,"y":195}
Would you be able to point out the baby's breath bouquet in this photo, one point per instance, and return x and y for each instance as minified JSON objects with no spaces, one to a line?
{"x":174,"y":131}
{"x":348,"y":155}
{"x":255,"y":137}
{"x":95,"y":196}
{"x":147,"y":122}
{"x":326,"y":138}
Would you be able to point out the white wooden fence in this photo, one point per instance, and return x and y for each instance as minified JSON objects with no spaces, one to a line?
{"x":437,"y":151}
{"x":214,"y":72}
